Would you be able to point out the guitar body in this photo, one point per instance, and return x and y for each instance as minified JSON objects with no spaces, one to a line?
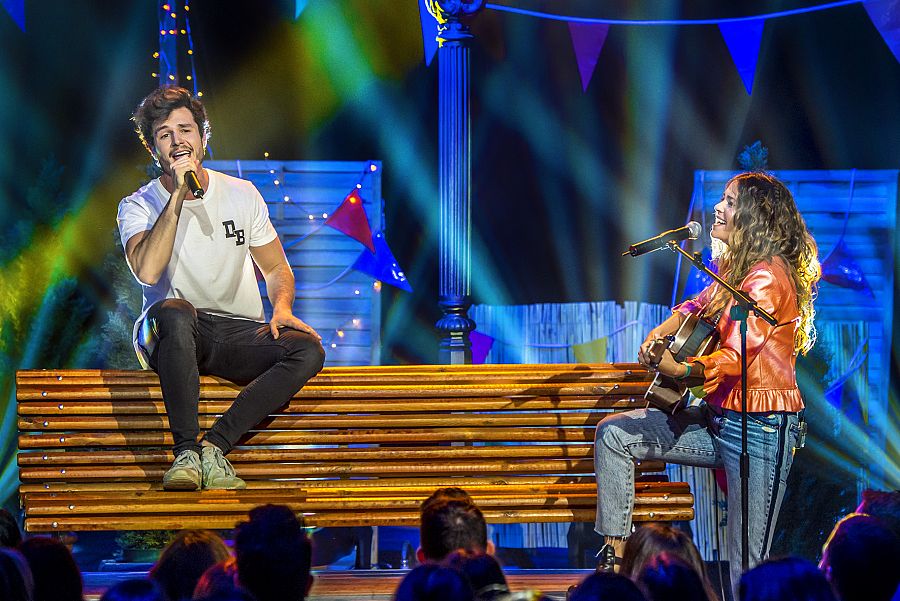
{"x":696,"y":336}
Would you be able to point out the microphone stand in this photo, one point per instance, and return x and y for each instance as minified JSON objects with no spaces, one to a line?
{"x":743,"y":305}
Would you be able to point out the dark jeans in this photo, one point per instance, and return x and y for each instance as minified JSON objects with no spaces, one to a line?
{"x":191,"y":342}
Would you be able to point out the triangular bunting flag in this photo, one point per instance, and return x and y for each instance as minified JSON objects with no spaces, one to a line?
{"x":429,"y":31}
{"x":350,"y":218}
{"x":382,"y":265}
{"x":841,"y":269}
{"x":743,"y":39}
{"x":16,"y":10}
{"x":481,"y":346}
{"x":587,"y":40}
{"x":885,"y":15}
{"x":590,"y":352}
{"x":299,"y":7}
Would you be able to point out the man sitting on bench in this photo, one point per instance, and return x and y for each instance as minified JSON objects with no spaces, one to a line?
{"x":191,"y":237}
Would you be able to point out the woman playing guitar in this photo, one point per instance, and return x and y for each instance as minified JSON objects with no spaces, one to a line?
{"x":766,"y":251}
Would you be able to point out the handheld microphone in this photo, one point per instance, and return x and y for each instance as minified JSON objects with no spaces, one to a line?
{"x":190,"y":178}
{"x":691,"y":231}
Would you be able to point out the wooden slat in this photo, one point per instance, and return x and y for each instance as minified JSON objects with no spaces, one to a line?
{"x":336,"y":437}
{"x":305,"y":406}
{"x":316,"y":422}
{"x":162,"y":503}
{"x":551,"y":369}
{"x":381,"y":487}
{"x":132,"y":521}
{"x":362,"y":392}
{"x":238,"y":456}
{"x":324,"y":469}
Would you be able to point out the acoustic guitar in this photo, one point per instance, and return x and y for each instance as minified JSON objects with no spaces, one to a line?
{"x":696,"y":336}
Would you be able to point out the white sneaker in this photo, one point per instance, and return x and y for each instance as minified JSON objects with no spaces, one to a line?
{"x":184,"y":473}
{"x":218,"y":471}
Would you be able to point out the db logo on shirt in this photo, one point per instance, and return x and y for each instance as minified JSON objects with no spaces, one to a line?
{"x":230,"y":232}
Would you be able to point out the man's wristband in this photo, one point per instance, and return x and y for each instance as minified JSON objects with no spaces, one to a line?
{"x":687,"y":373}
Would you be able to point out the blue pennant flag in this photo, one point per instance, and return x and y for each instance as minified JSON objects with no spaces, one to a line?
{"x":16,"y":10}
{"x":382,"y":265}
{"x":429,"y":31}
{"x":885,"y":15}
{"x":743,"y":39}
{"x":841,"y":269}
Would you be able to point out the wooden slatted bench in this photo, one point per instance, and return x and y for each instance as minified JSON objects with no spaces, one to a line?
{"x":357,"y":446}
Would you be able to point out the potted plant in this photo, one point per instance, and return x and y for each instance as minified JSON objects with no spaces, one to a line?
{"x":143,"y":546}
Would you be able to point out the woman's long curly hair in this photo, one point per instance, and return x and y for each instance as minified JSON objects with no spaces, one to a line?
{"x":767,"y":224}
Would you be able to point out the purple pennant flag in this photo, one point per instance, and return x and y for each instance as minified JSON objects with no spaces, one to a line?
{"x":16,"y":10}
{"x":743,"y":39}
{"x":382,"y":265}
{"x":885,"y":15}
{"x":481,"y":346}
{"x":429,"y":31}
{"x":587,"y":40}
{"x":841,"y":269}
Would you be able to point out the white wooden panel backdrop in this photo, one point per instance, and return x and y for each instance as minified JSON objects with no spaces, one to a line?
{"x":317,"y":187}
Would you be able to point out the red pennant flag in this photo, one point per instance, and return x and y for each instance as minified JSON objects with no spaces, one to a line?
{"x":350,"y":218}
{"x":587,"y":40}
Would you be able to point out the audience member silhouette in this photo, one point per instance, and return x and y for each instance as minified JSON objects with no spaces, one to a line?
{"x":217,"y":579}
{"x":273,"y":555}
{"x":10,"y":535}
{"x":883,"y":505}
{"x":606,"y":586}
{"x":447,"y":493}
{"x":451,"y":525}
{"x":667,"y":578}
{"x":785,"y":579}
{"x":483,"y":572}
{"x":16,"y":583}
{"x":185,"y":559}
{"x":860,"y":559}
{"x":237,"y":594}
{"x":56,"y":576}
{"x":653,"y":539}
{"x":136,"y":589}
{"x":433,"y":582}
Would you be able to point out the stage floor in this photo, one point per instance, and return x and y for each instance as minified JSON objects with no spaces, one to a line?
{"x":351,"y":585}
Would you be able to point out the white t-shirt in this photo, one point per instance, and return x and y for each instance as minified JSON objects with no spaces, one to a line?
{"x":211,"y":265}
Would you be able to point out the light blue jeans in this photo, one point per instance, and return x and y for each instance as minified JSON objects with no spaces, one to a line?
{"x":696,"y":436}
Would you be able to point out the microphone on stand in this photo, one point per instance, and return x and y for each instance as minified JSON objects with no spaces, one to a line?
{"x":691,"y":231}
{"x":190,"y":178}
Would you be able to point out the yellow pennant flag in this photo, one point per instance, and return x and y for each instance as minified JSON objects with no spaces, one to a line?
{"x":591,"y":352}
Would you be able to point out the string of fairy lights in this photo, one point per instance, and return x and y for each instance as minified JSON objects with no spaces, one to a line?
{"x":318,"y":220}
{"x":168,"y":54}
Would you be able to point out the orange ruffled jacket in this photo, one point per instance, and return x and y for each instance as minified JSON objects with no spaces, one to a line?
{"x":771,"y":357}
